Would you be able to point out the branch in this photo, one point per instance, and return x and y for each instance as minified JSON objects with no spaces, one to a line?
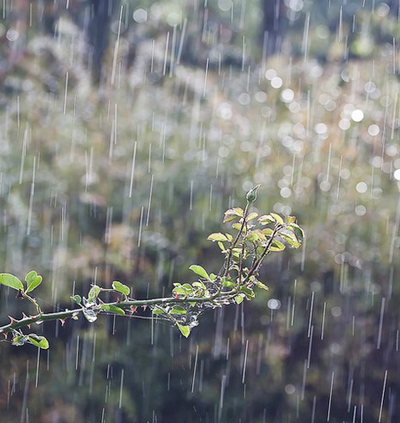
{"x":189,"y":299}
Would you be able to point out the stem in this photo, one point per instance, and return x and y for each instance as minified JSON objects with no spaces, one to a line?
{"x":233,"y":245}
{"x":257,"y":264}
{"x":46,"y":317}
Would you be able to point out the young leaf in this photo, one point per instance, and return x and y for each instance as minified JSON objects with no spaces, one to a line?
{"x":11,"y":281}
{"x":251,"y":216}
{"x":261,"y":285}
{"x":199,"y":271}
{"x":30,"y":276}
{"x":277,"y":218}
{"x":178,"y":310}
{"x":112,"y":309}
{"x":265,"y":219}
{"x":157,"y":311}
{"x":227,"y":282}
{"x":239,"y":299}
{"x":267,"y":231}
{"x":297,"y":231}
{"x":76,"y":299}
{"x":232,"y":214}
{"x":217,"y":237}
{"x":221,"y":245}
{"x":93,"y":293}
{"x":19,"y":340}
{"x":277,"y":246}
{"x":120,"y":287}
{"x":38,"y":341}
{"x":185,"y":330}
{"x":247,"y":291}
{"x":34,"y":283}
{"x":291,"y":239}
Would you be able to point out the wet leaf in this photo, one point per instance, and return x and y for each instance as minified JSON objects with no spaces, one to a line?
{"x":112,"y":309}
{"x":277,"y":246}
{"x":199,"y":270}
{"x":251,"y":216}
{"x":11,"y":281}
{"x":217,"y":237}
{"x":120,"y":287}
{"x":265,"y":219}
{"x":38,"y":341}
{"x":232,"y":214}
{"x":239,"y":299}
{"x":185,"y":330}
{"x":261,"y":285}
{"x":30,"y":276}
{"x":34,"y":283}
{"x":93,"y":293}
{"x":19,"y":340}
{"x":178,"y":310}
{"x":277,"y":218}
{"x":76,"y":299}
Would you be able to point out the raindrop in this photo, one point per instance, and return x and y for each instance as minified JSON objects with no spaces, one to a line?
{"x":274,"y":304}
{"x":140,"y":15}
{"x":361,"y":187}
{"x":357,"y":115}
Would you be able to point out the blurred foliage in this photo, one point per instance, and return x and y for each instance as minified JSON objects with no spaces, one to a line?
{"x":317,"y":126}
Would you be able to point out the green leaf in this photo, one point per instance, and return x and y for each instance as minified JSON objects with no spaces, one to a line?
{"x":291,"y":239}
{"x":247,"y":291}
{"x":30,"y":276}
{"x":157,"y":311}
{"x":251,"y":216}
{"x":217,"y":237}
{"x":227,"y":282}
{"x":277,"y":246}
{"x":76,"y":299}
{"x":239,"y":299}
{"x":120,"y":287}
{"x":277,"y":218}
{"x":199,"y":285}
{"x":199,"y":271}
{"x":112,"y":309}
{"x":178,"y":310}
{"x":291,"y":219}
{"x":232,"y":214}
{"x":34,"y":283}
{"x":267,"y":231}
{"x":261,"y":285}
{"x":38,"y":341}
{"x":256,"y":235}
{"x":265,"y":219}
{"x":179,"y":290}
{"x":221,"y":245}
{"x":11,"y":281}
{"x":185,"y":330}
{"x":19,"y":340}
{"x":237,"y":226}
{"x":298,"y":231}
{"x":94,"y":293}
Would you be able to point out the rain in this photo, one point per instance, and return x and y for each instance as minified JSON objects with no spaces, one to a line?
{"x":132,"y":135}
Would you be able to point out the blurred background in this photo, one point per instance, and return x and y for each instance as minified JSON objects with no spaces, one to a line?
{"x":127,"y":128}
